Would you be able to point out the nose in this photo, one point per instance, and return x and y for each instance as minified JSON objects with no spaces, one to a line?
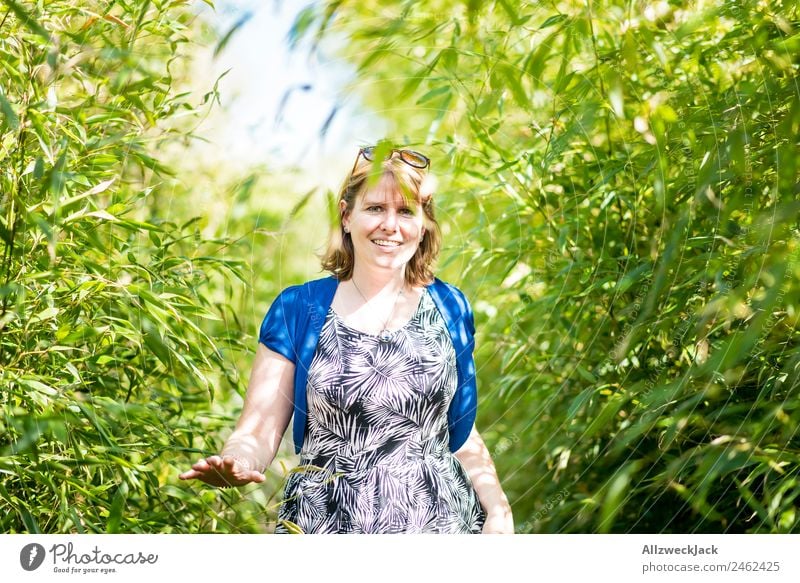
{"x":389,"y":223}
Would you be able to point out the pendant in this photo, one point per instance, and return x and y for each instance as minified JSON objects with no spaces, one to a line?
{"x":385,"y":336}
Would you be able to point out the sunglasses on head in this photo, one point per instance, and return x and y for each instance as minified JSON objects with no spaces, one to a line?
{"x":410,"y":157}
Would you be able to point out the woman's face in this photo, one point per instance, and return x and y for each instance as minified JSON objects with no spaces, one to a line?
{"x":385,"y":228}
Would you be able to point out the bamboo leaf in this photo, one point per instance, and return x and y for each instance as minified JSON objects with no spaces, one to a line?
{"x":226,"y":38}
{"x":10,"y":118}
{"x":26,"y":19}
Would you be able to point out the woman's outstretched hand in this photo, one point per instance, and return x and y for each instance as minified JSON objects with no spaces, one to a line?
{"x":223,"y":472}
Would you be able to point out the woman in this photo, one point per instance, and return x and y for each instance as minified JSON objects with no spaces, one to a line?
{"x":376,"y":365}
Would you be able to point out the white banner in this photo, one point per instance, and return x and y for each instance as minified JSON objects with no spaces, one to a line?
{"x":354,"y":558}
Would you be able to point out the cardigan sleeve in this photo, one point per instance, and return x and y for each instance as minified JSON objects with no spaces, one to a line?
{"x":464,"y":407}
{"x":279,"y":325}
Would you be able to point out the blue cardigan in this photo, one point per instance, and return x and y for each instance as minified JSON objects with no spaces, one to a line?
{"x":294,"y":322}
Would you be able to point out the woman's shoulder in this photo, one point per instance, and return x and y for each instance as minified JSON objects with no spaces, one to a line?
{"x":449,"y":294}
{"x":308,"y":291}
{"x":447,"y":287}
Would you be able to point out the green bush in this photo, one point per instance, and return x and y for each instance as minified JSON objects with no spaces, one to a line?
{"x":115,"y":341}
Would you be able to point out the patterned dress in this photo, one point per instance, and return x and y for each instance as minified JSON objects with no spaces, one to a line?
{"x":375,"y":457}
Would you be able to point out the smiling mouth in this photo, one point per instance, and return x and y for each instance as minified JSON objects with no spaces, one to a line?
{"x":384,"y":243}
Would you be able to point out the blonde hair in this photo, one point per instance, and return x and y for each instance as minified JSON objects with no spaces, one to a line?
{"x":414,"y":184}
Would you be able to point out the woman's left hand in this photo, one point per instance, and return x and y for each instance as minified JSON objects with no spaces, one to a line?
{"x":500,"y":522}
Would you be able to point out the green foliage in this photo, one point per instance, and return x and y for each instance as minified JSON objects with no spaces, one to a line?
{"x":113,"y":336}
{"x":620,"y":190}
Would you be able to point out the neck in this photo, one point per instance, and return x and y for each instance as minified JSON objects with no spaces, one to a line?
{"x":375,"y":282}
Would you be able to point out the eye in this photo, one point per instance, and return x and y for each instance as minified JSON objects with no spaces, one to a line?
{"x":407,"y":212}
{"x":374,"y":208}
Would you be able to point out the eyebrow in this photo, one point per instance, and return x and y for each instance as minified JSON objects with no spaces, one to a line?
{"x":367,"y":202}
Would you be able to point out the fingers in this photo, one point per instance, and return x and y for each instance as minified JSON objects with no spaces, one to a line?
{"x":257,"y":477}
{"x":214,"y":461}
{"x":222,"y":472}
{"x":206,"y":470}
{"x":201,"y":465}
{"x":198,"y":470}
{"x":211,"y":464}
{"x":240,"y":471}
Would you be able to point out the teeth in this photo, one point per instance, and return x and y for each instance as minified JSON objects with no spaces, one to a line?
{"x":383,"y":243}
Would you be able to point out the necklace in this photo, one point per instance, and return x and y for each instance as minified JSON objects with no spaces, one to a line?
{"x":384,"y":335}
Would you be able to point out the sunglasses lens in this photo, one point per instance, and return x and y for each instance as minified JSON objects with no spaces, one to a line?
{"x":410,"y":157}
{"x":414,"y":159}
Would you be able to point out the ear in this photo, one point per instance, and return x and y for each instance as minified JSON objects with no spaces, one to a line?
{"x":343,"y":213}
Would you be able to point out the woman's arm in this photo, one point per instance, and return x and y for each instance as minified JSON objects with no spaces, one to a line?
{"x":252,"y":446}
{"x":477,"y":462}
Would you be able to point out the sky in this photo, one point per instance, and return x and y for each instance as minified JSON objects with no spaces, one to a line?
{"x":275,"y":101}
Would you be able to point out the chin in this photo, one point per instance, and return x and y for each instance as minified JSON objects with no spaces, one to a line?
{"x":393,"y":263}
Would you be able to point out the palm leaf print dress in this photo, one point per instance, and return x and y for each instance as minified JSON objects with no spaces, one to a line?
{"x":376,"y":456}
